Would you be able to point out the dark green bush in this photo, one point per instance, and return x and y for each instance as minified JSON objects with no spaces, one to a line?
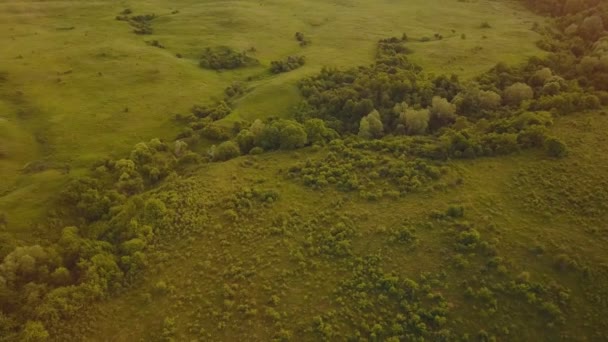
{"x":289,"y":64}
{"x":556,"y":148}
{"x":222,"y":57}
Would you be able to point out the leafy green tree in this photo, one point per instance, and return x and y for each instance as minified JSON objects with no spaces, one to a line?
{"x":541,"y":76}
{"x":61,"y":276}
{"x":442,"y":112}
{"x":291,"y":134}
{"x":34,"y":331}
{"x":371,"y":126}
{"x":317,"y":132}
{"x":591,"y":28}
{"x":246,"y":140}
{"x":227,"y":150}
{"x":416,"y":121}
{"x":518,"y":92}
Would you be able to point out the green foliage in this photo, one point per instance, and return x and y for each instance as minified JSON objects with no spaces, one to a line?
{"x":357,"y":167}
{"x":371,"y":126}
{"x":226,"y":150}
{"x":215,"y":112}
{"x":516,"y":93}
{"x":34,"y":331}
{"x":225,"y":58}
{"x":302,"y":39}
{"x":317,"y":132}
{"x":415,"y":122}
{"x":393,"y":47}
{"x":142,"y":24}
{"x":283,"y":134}
{"x":555,"y":148}
{"x":289,"y":64}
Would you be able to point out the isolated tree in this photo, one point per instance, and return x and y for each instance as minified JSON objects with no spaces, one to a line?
{"x":516,"y":93}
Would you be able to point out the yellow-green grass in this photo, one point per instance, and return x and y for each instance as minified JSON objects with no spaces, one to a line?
{"x":491,"y":195}
{"x":80,"y":85}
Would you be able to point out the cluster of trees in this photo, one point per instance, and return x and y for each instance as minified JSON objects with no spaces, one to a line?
{"x":393,"y":46}
{"x":225,"y":58}
{"x":142,"y":24}
{"x":289,"y":64}
{"x":384,"y":306}
{"x":105,"y":253}
{"x":579,"y":46}
{"x":371,"y":173}
{"x":282,"y":134}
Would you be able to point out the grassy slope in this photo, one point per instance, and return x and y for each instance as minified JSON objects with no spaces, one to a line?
{"x":503,"y":197}
{"x":72,"y":70}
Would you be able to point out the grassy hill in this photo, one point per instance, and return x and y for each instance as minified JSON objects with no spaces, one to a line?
{"x":260,"y":272}
{"x":445,"y":184}
{"x":78,"y":85}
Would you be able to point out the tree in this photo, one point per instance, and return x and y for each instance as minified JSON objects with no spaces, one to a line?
{"x":518,"y":92}
{"x":591,"y":28}
{"x":416,"y":121}
{"x":318,"y":132}
{"x":227,"y":150}
{"x":291,"y":134}
{"x":489,"y":100}
{"x":246,"y":140}
{"x":540,"y":77}
{"x":442,"y":112}
{"x":371,"y":126}
{"x":34,"y":331}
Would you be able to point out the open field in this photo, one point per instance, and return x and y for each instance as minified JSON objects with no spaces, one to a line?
{"x":78,"y":85}
{"x":292,"y":170}
{"x":262,"y":246}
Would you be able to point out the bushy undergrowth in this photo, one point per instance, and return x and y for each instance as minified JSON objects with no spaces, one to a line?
{"x":225,"y":58}
{"x":383,"y":131}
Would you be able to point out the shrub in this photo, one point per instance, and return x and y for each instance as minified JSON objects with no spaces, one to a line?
{"x":223,"y":57}
{"x":289,"y":64}
{"x":516,"y":93}
{"x":302,"y":39}
{"x":256,"y":151}
{"x":555,"y":148}
{"x":442,"y":112}
{"x":371,"y":126}
{"x":34,"y":331}
{"x":227,"y":150}
{"x":215,"y":112}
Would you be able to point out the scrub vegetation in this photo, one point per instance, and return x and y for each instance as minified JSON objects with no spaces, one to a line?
{"x":388,"y":173}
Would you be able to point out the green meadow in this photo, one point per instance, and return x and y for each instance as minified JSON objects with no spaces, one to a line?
{"x":78,"y":85}
{"x":290,"y":170}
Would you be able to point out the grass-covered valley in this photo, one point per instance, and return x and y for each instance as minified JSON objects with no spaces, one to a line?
{"x":303,"y":171}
